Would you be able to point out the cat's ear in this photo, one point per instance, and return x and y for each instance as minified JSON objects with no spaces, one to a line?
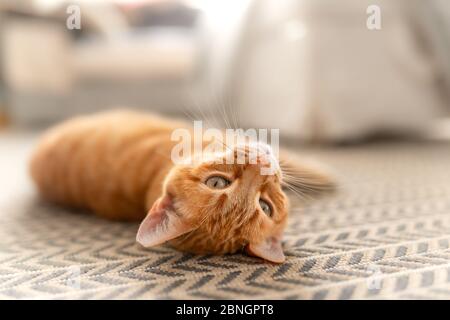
{"x":306,"y":177}
{"x":270,"y":249}
{"x":161,"y":224}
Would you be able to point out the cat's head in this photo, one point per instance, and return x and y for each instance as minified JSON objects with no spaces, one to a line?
{"x":209,"y":206}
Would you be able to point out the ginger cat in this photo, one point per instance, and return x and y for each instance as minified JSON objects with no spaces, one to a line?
{"x":118,"y":165}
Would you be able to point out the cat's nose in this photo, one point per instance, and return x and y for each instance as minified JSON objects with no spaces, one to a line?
{"x":266,"y":159}
{"x":260,"y":155}
{"x":259,"y":152}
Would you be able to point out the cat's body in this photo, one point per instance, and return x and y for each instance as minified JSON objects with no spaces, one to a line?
{"x":112,"y":163}
{"x":118,"y":164}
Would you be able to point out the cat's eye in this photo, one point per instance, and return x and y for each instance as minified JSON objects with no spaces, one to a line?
{"x":217,"y":182}
{"x":265,"y":206}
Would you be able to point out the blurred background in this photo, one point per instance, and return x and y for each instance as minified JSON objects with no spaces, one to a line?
{"x":314,"y":69}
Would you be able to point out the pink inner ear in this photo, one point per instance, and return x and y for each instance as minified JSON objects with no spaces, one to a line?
{"x":270,"y":249}
{"x":161,"y":224}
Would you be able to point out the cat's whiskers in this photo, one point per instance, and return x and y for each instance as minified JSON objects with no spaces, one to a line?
{"x":304,"y":183}
{"x":297,"y":186}
{"x":298,"y":193}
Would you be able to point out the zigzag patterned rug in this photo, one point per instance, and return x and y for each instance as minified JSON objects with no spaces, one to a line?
{"x":384,"y":234}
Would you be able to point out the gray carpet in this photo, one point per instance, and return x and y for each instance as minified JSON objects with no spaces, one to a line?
{"x":384,"y":234}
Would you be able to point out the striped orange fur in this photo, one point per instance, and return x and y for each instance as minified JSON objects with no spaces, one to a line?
{"x":117,"y":164}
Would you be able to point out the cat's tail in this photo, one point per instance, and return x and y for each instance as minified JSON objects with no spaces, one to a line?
{"x":306,"y":177}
